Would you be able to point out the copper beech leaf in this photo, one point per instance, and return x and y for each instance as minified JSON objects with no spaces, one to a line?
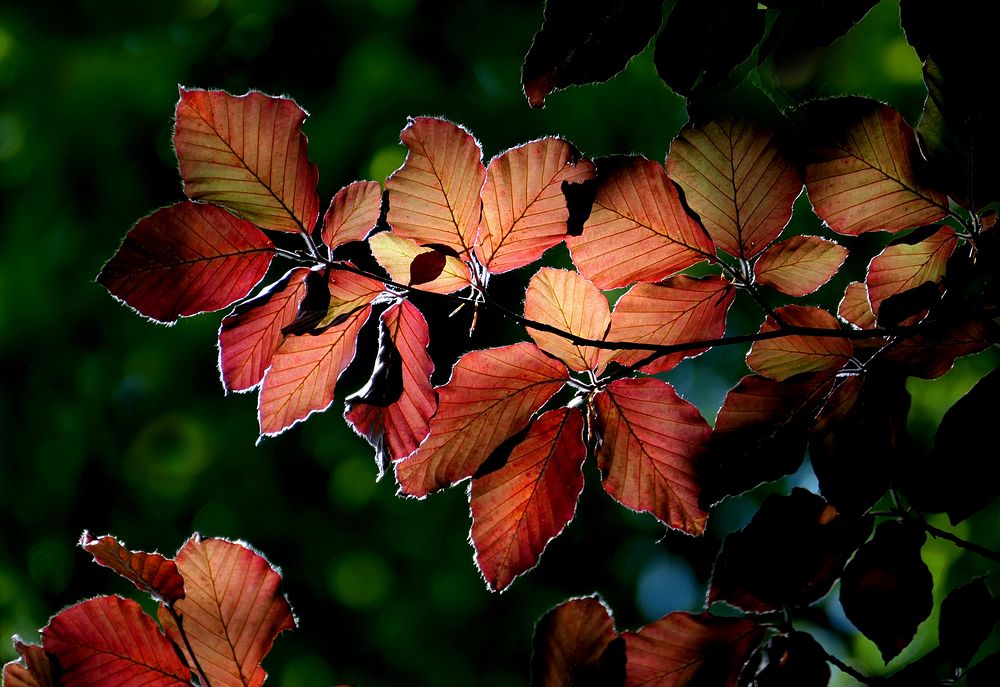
{"x":569,"y":302}
{"x":249,"y":335}
{"x":349,"y":292}
{"x":799,"y":265}
{"x":109,"y":640}
{"x":932,"y":352}
{"x":854,"y":308}
{"x":247,"y":153}
{"x":524,"y":209}
{"x":867,"y":173}
{"x":968,"y":616}
{"x":396,"y":256}
{"x":903,"y":266}
{"x":784,"y":357}
{"x":394,"y":409}
{"x":149,"y":572}
{"x":187,"y":259}
{"x":232,"y":613}
{"x":518,"y":509}
{"x":434,"y":196}
{"x":651,"y":440}
{"x":792,"y":660}
{"x":353,"y":213}
{"x":573,"y":646}
{"x":736,"y":176}
{"x":674,"y":311}
{"x":490,"y":397}
{"x":33,"y":669}
{"x":687,"y":650}
{"x":638,"y":229}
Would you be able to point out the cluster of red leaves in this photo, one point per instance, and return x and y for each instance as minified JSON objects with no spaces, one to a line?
{"x":219,"y":609}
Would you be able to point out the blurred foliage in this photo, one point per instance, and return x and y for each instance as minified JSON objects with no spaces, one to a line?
{"x":113,"y":426}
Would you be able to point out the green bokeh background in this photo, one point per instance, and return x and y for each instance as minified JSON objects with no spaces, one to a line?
{"x":113,"y":424}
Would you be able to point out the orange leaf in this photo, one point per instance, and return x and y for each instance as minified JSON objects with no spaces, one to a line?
{"x":638,"y":229}
{"x":353,"y":213}
{"x":570,"y":641}
{"x":349,"y":292}
{"x":739,"y":181}
{"x":903,"y":266}
{"x":109,"y":640}
{"x":251,"y":333}
{"x":518,"y":509}
{"x":249,"y":154}
{"x":396,"y":255}
{"x":787,"y":356}
{"x":799,"y":265}
{"x":434,"y":196}
{"x":186,"y":259}
{"x":854,"y":308}
{"x":490,"y":397}
{"x":524,"y":210}
{"x":233,"y":611}
{"x":567,"y":301}
{"x":33,"y":669}
{"x":678,"y":310}
{"x":149,"y":572}
{"x":394,"y":409}
{"x":651,"y":440}
{"x":868,"y":175}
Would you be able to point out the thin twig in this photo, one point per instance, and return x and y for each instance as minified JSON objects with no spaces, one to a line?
{"x":852,"y":671}
{"x":954,"y":538}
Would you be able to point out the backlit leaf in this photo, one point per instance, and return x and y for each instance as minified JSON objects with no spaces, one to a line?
{"x":931,"y":353}
{"x":854,"y":308}
{"x":638,"y":229}
{"x":33,"y":669}
{"x":571,"y":645}
{"x":396,"y":255}
{"x":518,"y":509}
{"x":249,"y":154}
{"x":304,"y":372}
{"x":353,"y":213}
{"x":585,"y":43}
{"x":685,"y":650}
{"x":233,"y":611}
{"x":677,"y":310}
{"x":651,"y":440}
{"x":490,"y":397}
{"x":524,"y":209}
{"x":903,"y":266}
{"x":567,"y":301}
{"x":736,"y":177}
{"x":787,"y":356}
{"x":394,"y":409}
{"x":886,"y":588}
{"x":968,"y":616}
{"x":251,"y":333}
{"x":149,"y":572}
{"x":868,"y":175}
{"x":187,"y":259}
{"x":434,"y":196}
{"x":799,"y":265}
{"x":110,"y":640}
{"x":349,"y":292}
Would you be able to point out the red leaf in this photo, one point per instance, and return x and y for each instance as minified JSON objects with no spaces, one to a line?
{"x":787,"y":356}
{"x":490,"y":397}
{"x":799,"y":265}
{"x":739,"y":181}
{"x":434,"y":196}
{"x":570,"y":641}
{"x":394,"y":409}
{"x":353,"y":213}
{"x":396,"y":256}
{"x":251,"y":333}
{"x":683,"y":649}
{"x":869,"y":176}
{"x":304,"y":372}
{"x":518,"y":509}
{"x":233,"y":611}
{"x":678,"y":310}
{"x":249,"y":154}
{"x":349,"y":293}
{"x":567,"y":301}
{"x":903,"y":266}
{"x":524,"y":210}
{"x":854,"y":308}
{"x":638,"y":229}
{"x":33,"y":669}
{"x":149,"y":572}
{"x":651,"y":440}
{"x":427,"y":267}
{"x":109,"y":640}
{"x":932,"y":353}
{"x":187,"y":259}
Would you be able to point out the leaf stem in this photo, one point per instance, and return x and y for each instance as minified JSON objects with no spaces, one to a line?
{"x":187,"y":644}
{"x":951,"y":537}
{"x":852,"y":671}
